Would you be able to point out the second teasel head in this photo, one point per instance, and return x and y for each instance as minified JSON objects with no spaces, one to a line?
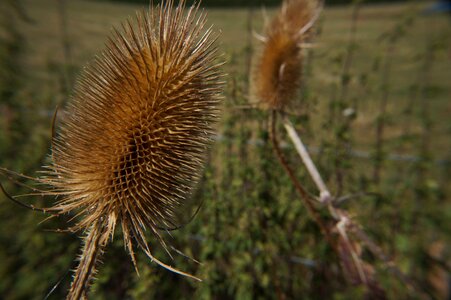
{"x":277,"y":72}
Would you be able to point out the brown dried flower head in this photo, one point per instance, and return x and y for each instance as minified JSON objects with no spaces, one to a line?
{"x":277,"y":74}
{"x":137,"y":129}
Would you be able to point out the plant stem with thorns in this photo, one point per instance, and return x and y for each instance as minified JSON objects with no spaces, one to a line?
{"x":344,"y":222}
{"x":92,"y":250}
{"x":305,"y":197}
{"x":325,"y":195}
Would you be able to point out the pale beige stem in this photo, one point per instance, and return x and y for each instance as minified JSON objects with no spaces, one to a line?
{"x":325,"y":196}
{"x":342,"y":219}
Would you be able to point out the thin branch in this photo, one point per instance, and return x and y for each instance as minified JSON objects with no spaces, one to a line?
{"x":29,"y":206}
{"x":343,"y":221}
{"x":302,"y":192}
{"x":325,"y":195}
{"x":167,"y":229}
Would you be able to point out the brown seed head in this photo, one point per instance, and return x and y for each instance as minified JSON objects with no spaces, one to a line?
{"x":277,"y":74}
{"x":138,"y":126}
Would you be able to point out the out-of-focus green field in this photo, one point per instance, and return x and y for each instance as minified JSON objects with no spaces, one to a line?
{"x":89,"y":24}
{"x":252,"y":235}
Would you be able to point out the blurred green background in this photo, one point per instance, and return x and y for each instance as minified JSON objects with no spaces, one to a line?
{"x":372,"y":66}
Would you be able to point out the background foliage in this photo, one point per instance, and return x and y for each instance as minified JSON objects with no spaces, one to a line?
{"x":255,"y":3}
{"x":373,"y":67}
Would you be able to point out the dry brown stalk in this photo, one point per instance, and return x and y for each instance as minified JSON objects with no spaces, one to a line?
{"x":305,"y":197}
{"x":348,"y":250}
{"x":325,"y":196}
{"x":94,"y":243}
{"x":347,"y":246}
{"x":136,"y":134}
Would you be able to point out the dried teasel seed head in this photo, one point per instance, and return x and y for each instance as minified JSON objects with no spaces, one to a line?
{"x":277,"y":73}
{"x":137,"y":129}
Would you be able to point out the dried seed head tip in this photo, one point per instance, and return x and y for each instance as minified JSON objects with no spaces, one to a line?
{"x":277,"y":74}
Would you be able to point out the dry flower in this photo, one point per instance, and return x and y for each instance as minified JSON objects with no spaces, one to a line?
{"x":277,"y":74}
{"x":135,"y":138}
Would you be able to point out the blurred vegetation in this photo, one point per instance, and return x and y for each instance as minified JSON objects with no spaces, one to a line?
{"x":247,"y":3}
{"x":373,"y":67}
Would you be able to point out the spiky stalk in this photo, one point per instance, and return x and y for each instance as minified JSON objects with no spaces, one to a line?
{"x":93,"y":247}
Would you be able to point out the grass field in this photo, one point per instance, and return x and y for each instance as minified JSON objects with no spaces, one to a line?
{"x":251,"y":229}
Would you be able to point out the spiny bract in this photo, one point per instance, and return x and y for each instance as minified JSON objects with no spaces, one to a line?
{"x":277,"y":74}
{"x":136,"y":133}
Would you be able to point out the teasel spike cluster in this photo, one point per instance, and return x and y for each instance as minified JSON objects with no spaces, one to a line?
{"x":277,"y":72}
{"x":136,"y":134}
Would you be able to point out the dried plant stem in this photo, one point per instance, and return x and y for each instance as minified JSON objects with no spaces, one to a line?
{"x":339,"y":216}
{"x":302,"y":192}
{"x":325,"y":195}
{"x":92,"y":250}
{"x":326,"y":198}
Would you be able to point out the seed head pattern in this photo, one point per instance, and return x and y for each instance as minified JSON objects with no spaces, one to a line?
{"x":138,"y":126}
{"x":277,"y":74}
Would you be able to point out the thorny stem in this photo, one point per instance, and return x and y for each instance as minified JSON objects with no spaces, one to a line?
{"x":311,"y":168}
{"x":92,"y":250}
{"x":302,"y":192}
{"x":325,"y":195}
{"x":339,"y":216}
